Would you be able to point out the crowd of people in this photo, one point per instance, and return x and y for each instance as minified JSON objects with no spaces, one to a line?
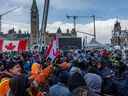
{"x":73,"y":73}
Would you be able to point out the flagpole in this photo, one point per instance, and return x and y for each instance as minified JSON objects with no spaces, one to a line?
{"x":44,"y":22}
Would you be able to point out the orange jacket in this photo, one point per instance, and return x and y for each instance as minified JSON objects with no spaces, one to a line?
{"x":40,"y":75}
{"x":4,"y":87}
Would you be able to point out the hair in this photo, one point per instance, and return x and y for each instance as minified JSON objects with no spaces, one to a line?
{"x":92,"y":69}
{"x":80,"y":91}
{"x":63,"y":77}
{"x":75,"y":81}
{"x":11,"y":64}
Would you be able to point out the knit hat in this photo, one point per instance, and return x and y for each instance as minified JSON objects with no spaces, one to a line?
{"x":94,"y":82}
{"x":74,"y":70}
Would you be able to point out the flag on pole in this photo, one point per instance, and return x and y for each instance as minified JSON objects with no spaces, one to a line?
{"x":8,"y":45}
{"x":52,"y":50}
{"x":23,"y":44}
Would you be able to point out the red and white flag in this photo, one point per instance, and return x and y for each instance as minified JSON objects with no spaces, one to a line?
{"x":23,"y":45}
{"x":7,"y":45}
{"x":52,"y":50}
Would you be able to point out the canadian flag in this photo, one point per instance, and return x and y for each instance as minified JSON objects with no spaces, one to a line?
{"x":7,"y":45}
{"x":52,"y":50}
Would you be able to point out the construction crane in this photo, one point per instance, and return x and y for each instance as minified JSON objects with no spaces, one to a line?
{"x":3,"y":14}
{"x":74,"y":20}
{"x":76,"y":17}
{"x":85,"y":33}
{"x":85,"y":38}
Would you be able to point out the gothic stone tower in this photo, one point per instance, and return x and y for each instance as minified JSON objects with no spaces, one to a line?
{"x":34,"y":23}
{"x":116,"y":33}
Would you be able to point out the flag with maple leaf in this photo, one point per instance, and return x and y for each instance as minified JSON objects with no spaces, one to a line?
{"x":10,"y":45}
{"x":7,"y":45}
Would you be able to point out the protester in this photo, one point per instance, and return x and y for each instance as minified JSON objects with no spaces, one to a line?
{"x":74,"y":73}
{"x":94,"y":84}
{"x":80,"y":91}
{"x":60,"y":88}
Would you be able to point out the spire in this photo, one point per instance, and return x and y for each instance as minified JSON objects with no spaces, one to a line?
{"x":34,"y":4}
{"x":59,"y":31}
{"x":117,"y":26}
{"x":117,"y":18}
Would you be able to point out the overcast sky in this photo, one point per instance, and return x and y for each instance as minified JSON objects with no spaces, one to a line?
{"x":106,"y":11}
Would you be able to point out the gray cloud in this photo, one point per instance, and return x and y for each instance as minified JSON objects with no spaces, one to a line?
{"x":21,"y":17}
{"x":71,"y":4}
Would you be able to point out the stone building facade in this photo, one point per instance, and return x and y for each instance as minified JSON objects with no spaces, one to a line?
{"x":119,"y":36}
{"x":49,"y":36}
{"x":13,"y":35}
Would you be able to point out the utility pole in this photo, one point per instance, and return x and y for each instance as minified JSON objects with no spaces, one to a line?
{"x":44,"y":22}
{"x":85,"y":41}
{"x":94,"y":25}
{"x":0,"y":23}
